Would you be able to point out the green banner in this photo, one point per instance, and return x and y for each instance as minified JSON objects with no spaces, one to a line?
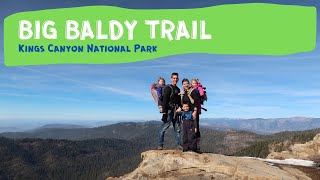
{"x":107,"y":35}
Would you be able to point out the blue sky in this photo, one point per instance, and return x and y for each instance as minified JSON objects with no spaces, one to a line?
{"x":238,"y":86}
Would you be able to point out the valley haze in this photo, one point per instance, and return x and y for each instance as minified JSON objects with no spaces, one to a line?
{"x":256,"y":125}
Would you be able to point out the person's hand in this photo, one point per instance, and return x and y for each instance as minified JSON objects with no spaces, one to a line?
{"x":178,"y":110}
{"x":194,"y":115}
{"x":195,"y":130}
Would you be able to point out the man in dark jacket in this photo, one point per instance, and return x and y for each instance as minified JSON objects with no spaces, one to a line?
{"x":171,"y":102}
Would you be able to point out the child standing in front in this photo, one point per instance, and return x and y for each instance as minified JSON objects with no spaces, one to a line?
{"x":189,"y":129}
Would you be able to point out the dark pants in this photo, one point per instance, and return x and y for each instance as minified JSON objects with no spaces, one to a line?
{"x":167,"y":119}
{"x":189,"y":137}
{"x":198,"y":130}
{"x":198,"y":134}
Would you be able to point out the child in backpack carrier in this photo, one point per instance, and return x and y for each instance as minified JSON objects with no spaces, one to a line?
{"x":198,"y":86}
{"x":159,"y":88}
{"x":189,"y":129}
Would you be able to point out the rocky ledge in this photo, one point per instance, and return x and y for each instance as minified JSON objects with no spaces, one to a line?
{"x":307,"y":151}
{"x":171,"y":164}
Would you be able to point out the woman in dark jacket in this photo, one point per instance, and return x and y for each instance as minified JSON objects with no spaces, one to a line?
{"x":191,"y":96}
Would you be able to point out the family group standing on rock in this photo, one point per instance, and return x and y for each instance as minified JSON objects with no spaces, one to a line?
{"x":180,"y":107}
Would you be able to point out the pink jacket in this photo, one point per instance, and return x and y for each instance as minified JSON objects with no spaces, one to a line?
{"x":200,"y":89}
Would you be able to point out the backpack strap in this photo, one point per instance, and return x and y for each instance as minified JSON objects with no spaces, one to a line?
{"x":189,"y":95}
{"x":171,"y":90}
{"x":190,"y":113}
{"x":181,"y":96}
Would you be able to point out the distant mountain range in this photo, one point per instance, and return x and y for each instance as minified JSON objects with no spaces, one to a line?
{"x":256,"y":125}
{"x":30,"y":125}
{"x":95,"y":153}
{"x":122,"y":130}
{"x":113,"y":150}
{"x":225,"y":136}
{"x":61,"y":126}
{"x":263,"y":126}
{"x":226,"y":142}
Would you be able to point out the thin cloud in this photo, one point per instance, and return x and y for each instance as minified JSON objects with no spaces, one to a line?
{"x":48,"y":97}
{"x":116,"y":90}
{"x":236,"y":89}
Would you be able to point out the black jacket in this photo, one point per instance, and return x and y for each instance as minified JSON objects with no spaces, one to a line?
{"x":170,"y":97}
{"x":195,"y":96}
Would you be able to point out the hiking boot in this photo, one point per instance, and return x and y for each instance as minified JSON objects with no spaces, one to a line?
{"x":160,"y":147}
{"x":179,"y":148}
{"x":199,"y":151}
